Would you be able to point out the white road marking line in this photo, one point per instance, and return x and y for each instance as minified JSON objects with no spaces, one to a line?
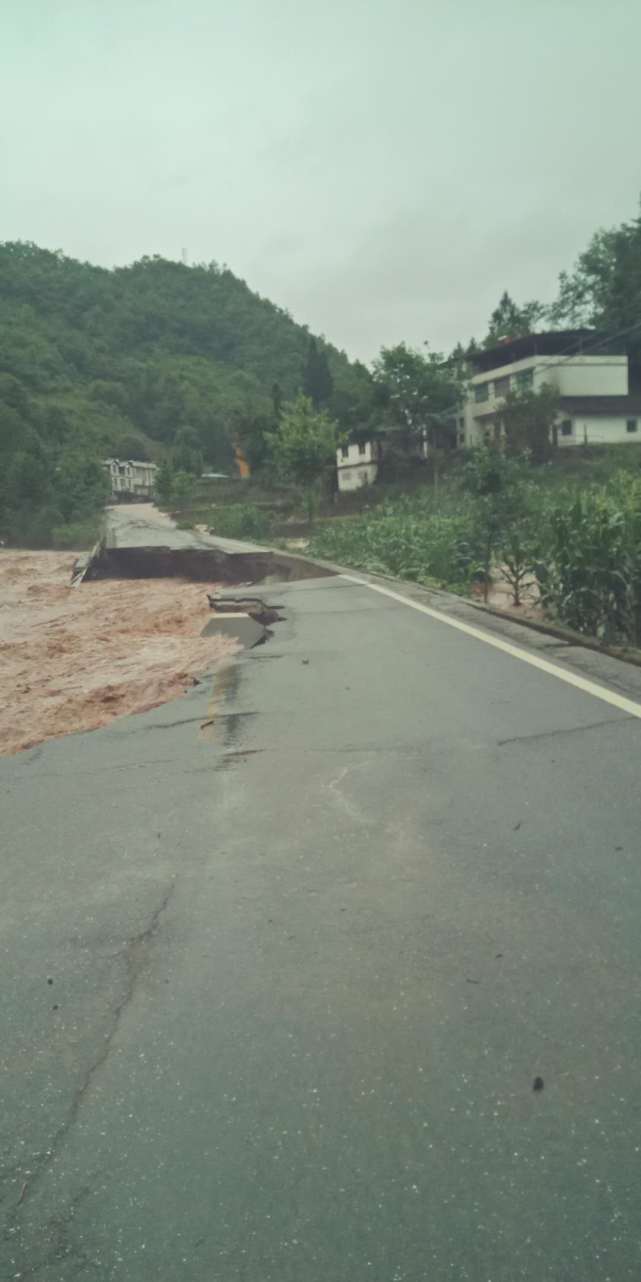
{"x":544,"y":665}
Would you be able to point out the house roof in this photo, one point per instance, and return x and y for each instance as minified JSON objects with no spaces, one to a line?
{"x":133,"y":462}
{"x":607,"y":406}
{"x":555,"y":342}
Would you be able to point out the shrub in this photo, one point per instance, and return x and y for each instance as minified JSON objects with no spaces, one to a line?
{"x":240,"y":521}
{"x":77,"y":534}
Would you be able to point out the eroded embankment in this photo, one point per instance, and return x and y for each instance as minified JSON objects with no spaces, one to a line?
{"x":203,"y":565}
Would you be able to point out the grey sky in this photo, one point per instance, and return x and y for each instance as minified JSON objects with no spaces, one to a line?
{"x":383,"y":170}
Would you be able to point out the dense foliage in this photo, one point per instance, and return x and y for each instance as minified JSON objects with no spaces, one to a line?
{"x":156,"y":359}
{"x":303,"y":449}
{"x":582,"y":544}
{"x":241,"y":521}
{"x":602,"y":291}
{"x":420,"y":393}
{"x":604,"y":288}
{"x":508,"y":320}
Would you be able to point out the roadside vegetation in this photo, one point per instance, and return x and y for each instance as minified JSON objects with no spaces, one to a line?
{"x":580,"y":545}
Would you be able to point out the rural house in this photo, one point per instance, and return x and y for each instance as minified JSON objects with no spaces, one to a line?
{"x":130,"y":478}
{"x":590,"y":373}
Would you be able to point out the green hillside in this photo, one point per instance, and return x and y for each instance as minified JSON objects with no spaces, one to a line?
{"x":96,"y":361}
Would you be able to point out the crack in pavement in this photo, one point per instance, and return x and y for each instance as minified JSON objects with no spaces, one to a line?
{"x":60,"y":1247}
{"x":131,"y":951}
{"x":335,"y":790}
{"x":554,"y":734}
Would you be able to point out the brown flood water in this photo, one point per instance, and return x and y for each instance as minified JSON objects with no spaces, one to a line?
{"x":75,"y":658}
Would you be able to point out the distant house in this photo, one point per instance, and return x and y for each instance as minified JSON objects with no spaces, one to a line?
{"x":357,"y":464}
{"x":131,"y":478}
{"x":589,"y":372}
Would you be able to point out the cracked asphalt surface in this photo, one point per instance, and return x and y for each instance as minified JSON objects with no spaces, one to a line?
{"x":283,"y":960}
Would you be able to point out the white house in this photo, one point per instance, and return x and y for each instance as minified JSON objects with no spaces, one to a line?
{"x":590,"y":373}
{"x":131,"y":477}
{"x":357,"y":464}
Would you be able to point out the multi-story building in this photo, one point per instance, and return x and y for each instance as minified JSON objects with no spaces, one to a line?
{"x":130,"y":478}
{"x":589,"y":372}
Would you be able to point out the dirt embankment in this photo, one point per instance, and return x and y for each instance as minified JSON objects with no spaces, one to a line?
{"x":75,"y":658}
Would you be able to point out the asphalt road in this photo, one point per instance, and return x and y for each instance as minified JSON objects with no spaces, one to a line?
{"x":282,"y":963}
{"x":136,"y":525}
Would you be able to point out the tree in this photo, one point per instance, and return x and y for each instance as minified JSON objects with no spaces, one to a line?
{"x":508,"y":320}
{"x":12,"y":426}
{"x":495,"y":483}
{"x":317,"y":379}
{"x":187,"y":455}
{"x":132,"y":446}
{"x":421,"y":393}
{"x":14,"y":394}
{"x":604,"y":288}
{"x":80,"y":484}
{"x":28,"y":477}
{"x":303,"y":447}
{"x":183,"y":488}
{"x":164,"y":484}
{"x":277,"y":400}
{"x":518,"y":551}
{"x":528,"y":419}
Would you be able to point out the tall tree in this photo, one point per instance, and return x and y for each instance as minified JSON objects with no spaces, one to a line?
{"x":318,"y":384}
{"x":508,"y":320}
{"x":304,"y":448}
{"x":422,"y":393}
{"x":604,"y":288}
{"x":164,"y":484}
{"x":187,"y":455}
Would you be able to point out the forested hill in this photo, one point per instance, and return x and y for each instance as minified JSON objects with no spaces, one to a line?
{"x":119,"y":360}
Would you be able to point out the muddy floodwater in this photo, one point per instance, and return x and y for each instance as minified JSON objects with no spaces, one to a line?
{"x":75,"y":658}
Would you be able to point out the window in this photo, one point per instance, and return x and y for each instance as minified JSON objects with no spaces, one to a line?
{"x":361,"y":447}
{"x":502,"y":386}
{"x":631,"y":425}
{"x":344,"y":451}
{"x":567,"y":427}
{"x":481,"y":391}
{"x":524,"y":379}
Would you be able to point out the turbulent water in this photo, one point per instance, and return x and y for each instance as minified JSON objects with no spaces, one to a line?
{"x":74,"y":658}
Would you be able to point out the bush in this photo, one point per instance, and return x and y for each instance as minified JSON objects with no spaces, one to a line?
{"x":182,"y":488}
{"x":241,"y":521}
{"x":77,"y":534}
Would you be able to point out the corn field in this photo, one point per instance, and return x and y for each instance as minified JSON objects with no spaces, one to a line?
{"x":583,"y":546}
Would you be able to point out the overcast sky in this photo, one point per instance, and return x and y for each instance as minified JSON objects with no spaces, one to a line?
{"x":381,"y":168}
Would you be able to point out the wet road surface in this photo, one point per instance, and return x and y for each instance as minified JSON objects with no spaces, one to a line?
{"x":283,"y":960}
{"x":135,"y":525}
